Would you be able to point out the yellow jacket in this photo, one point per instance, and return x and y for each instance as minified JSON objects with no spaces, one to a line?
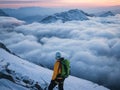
{"x":57,"y":70}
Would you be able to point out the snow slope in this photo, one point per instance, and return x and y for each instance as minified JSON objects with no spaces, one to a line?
{"x":8,"y":85}
{"x":39,"y":74}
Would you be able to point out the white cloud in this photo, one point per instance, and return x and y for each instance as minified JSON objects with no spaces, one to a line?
{"x":92,"y":46}
{"x":24,"y":46}
{"x":9,"y":22}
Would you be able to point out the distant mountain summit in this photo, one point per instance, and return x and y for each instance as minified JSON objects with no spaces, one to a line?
{"x":70,"y":15}
{"x":108,"y":13}
{"x":2,"y":13}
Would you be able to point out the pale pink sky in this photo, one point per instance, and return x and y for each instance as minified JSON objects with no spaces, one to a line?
{"x":58,"y":3}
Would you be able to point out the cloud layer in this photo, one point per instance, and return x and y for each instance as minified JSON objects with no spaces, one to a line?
{"x":92,"y":46}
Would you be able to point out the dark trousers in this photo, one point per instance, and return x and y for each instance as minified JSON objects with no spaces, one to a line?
{"x":59,"y":82}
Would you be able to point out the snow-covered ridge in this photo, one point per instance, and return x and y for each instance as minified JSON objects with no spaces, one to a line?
{"x":108,"y":13}
{"x":40,"y":74}
{"x":2,"y":13}
{"x":70,"y":15}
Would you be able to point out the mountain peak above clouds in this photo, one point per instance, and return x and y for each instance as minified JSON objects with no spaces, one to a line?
{"x":73,"y":14}
{"x":108,"y":13}
{"x":2,"y":13}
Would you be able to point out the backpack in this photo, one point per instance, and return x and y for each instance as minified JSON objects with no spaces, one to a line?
{"x":65,"y":68}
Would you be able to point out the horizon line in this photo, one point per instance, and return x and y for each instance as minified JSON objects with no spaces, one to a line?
{"x":59,"y":7}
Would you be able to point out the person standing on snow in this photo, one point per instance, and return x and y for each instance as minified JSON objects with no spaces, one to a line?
{"x":61,"y":71}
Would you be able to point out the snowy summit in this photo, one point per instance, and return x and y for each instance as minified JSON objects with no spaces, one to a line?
{"x":2,"y":13}
{"x":70,"y":15}
{"x":109,"y":13}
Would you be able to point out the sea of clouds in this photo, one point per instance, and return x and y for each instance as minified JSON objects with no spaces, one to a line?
{"x":92,"y":46}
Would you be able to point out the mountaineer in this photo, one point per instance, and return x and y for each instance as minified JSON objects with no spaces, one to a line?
{"x":60,"y":73}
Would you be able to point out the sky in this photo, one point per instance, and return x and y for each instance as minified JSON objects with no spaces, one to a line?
{"x":58,"y":3}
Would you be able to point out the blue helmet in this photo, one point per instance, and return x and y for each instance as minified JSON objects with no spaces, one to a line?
{"x":58,"y":55}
